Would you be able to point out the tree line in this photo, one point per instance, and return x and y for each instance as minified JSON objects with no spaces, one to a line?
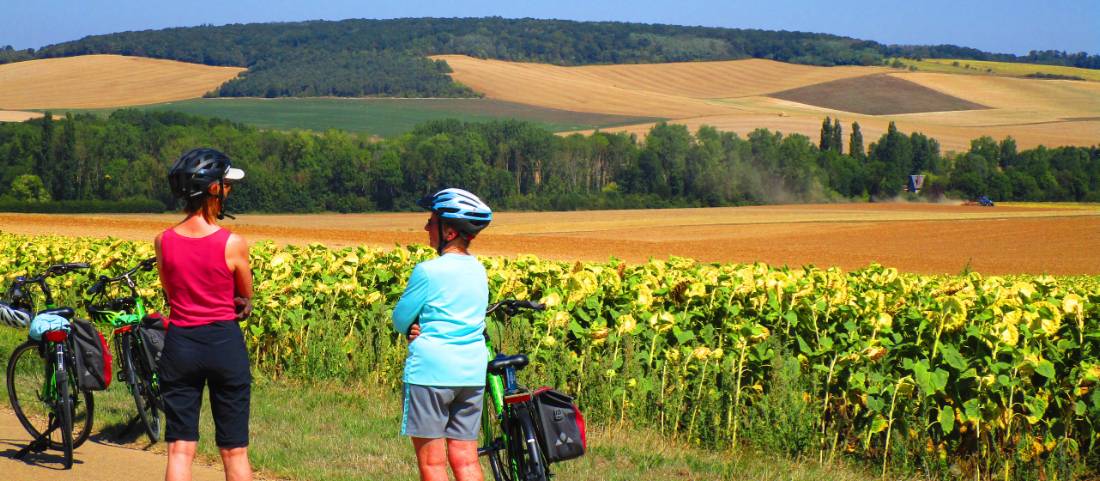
{"x":121,"y":161}
{"x":387,"y":57}
{"x":1043,"y":57}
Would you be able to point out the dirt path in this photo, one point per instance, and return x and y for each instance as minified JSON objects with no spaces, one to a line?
{"x":96,"y":460}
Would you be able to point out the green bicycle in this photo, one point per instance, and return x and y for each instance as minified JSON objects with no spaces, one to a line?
{"x":136,"y":358}
{"x":42,"y":378}
{"x":509,"y":432}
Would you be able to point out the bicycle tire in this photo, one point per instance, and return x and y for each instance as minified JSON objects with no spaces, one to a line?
{"x":140,"y":385}
{"x":533,"y":467}
{"x":493,"y":435}
{"x":64,"y":412}
{"x":25,"y":376}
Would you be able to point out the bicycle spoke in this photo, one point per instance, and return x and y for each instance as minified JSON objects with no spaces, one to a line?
{"x":27,"y":386}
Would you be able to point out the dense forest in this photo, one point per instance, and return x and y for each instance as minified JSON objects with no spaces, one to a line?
{"x":119,"y":163}
{"x":387,"y":57}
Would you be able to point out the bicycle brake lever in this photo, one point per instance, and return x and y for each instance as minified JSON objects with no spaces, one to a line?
{"x":149,"y":264}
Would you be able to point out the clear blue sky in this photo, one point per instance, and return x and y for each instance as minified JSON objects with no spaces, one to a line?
{"x":1012,"y":26}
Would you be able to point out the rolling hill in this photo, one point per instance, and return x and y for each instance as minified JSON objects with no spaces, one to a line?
{"x":364,"y":57}
{"x":745,"y":95}
{"x":737,"y":95}
{"x":100,"y":81}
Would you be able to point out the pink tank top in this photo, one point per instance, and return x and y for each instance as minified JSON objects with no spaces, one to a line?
{"x":196,"y":274}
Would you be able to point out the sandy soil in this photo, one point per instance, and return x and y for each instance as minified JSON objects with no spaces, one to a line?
{"x":95,"y":460}
{"x":925,"y":238}
{"x":101,"y":81}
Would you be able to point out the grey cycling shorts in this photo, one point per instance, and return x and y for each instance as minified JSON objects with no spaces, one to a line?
{"x":442,"y":412}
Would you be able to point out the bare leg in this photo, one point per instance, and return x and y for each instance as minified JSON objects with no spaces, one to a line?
{"x":463,"y":458}
{"x":180,"y":456}
{"x":236,"y":464}
{"x":431,"y":459}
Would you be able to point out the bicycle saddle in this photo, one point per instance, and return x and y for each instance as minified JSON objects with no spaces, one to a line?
{"x":66,"y":312}
{"x":498,"y":365}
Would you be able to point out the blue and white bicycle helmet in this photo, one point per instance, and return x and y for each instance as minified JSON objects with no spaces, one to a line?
{"x":462,"y":210}
{"x":13,"y":316}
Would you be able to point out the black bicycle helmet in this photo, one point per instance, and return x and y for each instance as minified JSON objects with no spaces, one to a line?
{"x":195,"y":170}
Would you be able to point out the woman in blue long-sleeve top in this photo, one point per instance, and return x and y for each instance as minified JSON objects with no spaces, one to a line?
{"x":443,"y":313}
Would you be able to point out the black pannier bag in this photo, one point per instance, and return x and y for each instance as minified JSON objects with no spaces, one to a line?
{"x":152,"y":332}
{"x":561,"y":425}
{"x":93,"y":359}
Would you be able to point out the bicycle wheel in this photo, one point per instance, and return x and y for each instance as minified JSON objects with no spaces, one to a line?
{"x":532,"y":465}
{"x":26,"y":378}
{"x":495,"y":443}
{"x":83,"y":409}
{"x":139,"y":380}
{"x":64,"y":412}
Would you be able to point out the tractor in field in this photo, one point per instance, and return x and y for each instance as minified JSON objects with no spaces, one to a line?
{"x":983,"y":201}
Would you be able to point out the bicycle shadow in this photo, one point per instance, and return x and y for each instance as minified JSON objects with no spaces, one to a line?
{"x":130,"y":432}
{"x":48,"y":459}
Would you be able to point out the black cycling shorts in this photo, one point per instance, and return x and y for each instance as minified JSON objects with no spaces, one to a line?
{"x":213,"y":355}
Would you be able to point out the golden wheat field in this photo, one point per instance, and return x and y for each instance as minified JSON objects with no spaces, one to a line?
{"x":700,"y":80}
{"x":102,"y":81}
{"x":985,"y":67}
{"x":570,"y":88}
{"x":925,"y":238}
{"x":732,"y":95}
{"x":17,"y":115}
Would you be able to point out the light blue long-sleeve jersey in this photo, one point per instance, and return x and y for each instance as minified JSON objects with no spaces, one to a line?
{"x":449,"y":295}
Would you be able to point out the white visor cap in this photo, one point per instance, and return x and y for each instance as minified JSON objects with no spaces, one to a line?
{"x":233,"y":175}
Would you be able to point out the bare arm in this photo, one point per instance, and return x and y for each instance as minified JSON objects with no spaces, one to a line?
{"x":236,"y":258}
{"x":160,"y":266}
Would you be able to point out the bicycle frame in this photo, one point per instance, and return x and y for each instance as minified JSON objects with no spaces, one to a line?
{"x":52,"y":348}
{"x":123,"y":321}
{"x":496,"y":389}
{"x":496,"y":385}
{"x":123,"y":314}
{"x":503,"y":390}
{"x":121,"y":317}
{"x":49,"y":393}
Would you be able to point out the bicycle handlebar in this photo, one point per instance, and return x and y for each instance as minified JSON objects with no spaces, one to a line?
{"x":56,"y":270}
{"x":110,"y":305}
{"x":512,"y":306}
{"x":145,"y":265}
{"x":97,"y":287}
{"x":18,"y":296}
{"x":52,"y":271}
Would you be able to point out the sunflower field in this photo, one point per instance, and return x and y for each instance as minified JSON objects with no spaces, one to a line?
{"x":949,"y":376}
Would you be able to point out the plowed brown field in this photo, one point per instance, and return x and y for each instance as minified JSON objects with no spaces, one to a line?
{"x":102,"y":81}
{"x":730,"y":96}
{"x":876,"y":95}
{"x":912,"y":237}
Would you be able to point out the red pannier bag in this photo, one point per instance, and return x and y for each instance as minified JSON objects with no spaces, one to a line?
{"x":561,"y":425}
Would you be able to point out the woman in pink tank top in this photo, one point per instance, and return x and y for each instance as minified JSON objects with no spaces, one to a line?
{"x":205,"y":272}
